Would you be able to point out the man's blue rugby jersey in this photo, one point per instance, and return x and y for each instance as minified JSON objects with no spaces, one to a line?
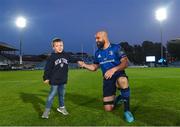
{"x":109,"y":58}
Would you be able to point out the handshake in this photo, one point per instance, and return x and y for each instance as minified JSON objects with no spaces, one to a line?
{"x":81,"y":63}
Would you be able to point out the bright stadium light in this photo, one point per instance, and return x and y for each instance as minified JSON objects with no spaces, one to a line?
{"x":161,"y":15}
{"x":20,"y":23}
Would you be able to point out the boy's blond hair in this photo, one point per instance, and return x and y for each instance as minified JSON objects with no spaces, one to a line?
{"x":56,"y":40}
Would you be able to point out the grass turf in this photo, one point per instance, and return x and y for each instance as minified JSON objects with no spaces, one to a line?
{"x":155,"y":99}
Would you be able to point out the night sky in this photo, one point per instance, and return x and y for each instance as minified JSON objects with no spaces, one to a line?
{"x":77,"y":21}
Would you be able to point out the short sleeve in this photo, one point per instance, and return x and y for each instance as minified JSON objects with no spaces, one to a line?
{"x":120,"y":52}
{"x":96,"y":61}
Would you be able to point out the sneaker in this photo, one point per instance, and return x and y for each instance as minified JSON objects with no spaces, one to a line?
{"x":128,"y":116}
{"x":45,"y":115}
{"x":62,"y":110}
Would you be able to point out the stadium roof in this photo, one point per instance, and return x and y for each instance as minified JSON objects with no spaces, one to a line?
{"x":6,"y":47}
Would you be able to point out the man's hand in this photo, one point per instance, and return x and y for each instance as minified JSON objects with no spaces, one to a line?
{"x":120,"y":67}
{"x":90,"y":67}
{"x":46,"y":81}
{"x":109,"y":73}
{"x":81,"y":63}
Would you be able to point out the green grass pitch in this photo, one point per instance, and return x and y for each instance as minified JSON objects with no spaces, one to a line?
{"x":155,"y":99}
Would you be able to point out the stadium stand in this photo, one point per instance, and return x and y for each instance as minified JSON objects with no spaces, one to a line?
{"x":10,"y":60}
{"x":5,"y":51}
{"x":6,"y":47}
{"x":175,"y":64}
{"x":84,"y":56}
{"x":40,"y":66}
{"x":4,"y":62}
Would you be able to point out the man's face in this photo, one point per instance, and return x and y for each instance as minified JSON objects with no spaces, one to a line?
{"x":99,"y":37}
{"x":100,"y":40}
{"x":58,"y":47}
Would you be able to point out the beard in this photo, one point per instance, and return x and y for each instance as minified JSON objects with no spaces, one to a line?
{"x":100,"y":44}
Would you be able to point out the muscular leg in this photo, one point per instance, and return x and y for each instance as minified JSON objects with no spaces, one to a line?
{"x":109,"y":103}
{"x":122,"y":83}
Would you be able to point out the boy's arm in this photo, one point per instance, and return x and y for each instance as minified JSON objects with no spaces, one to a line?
{"x":48,"y":70}
{"x":74,"y":59}
{"x":91,"y":67}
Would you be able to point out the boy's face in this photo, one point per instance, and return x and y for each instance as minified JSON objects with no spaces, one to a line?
{"x":58,"y":47}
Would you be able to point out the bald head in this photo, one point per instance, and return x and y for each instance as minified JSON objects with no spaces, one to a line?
{"x":101,"y":34}
{"x":102,"y":39}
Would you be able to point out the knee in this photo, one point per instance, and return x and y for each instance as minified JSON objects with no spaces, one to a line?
{"x":50,"y":98}
{"x":108,"y":108}
{"x":123,"y":82}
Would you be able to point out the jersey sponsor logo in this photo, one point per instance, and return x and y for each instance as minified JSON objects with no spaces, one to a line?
{"x":108,"y":61}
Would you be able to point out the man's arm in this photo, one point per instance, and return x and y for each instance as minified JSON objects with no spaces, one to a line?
{"x":123,"y":65}
{"x":91,"y":67}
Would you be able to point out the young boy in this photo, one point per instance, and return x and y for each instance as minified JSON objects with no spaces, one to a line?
{"x":56,"y":74}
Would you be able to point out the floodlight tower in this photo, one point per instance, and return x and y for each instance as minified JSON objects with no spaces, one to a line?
{"x":161,"y":15}
{"x":20,"y":23}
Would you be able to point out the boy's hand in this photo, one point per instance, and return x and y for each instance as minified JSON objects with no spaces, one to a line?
{"x":81,"y":63}
{"x":46,"y":81}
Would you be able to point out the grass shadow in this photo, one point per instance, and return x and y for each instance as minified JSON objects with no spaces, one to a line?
{"x":139,"y":97}
{"x":85,"y":100}
{"x":157,"y":116}
{"x":35,"y":100}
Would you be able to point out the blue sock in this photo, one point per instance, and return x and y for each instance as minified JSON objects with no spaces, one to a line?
{"x":117,"y":99}
{"x":125,"y":93}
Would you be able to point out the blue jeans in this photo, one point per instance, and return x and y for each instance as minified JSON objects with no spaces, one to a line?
{"x":61,"y":92}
